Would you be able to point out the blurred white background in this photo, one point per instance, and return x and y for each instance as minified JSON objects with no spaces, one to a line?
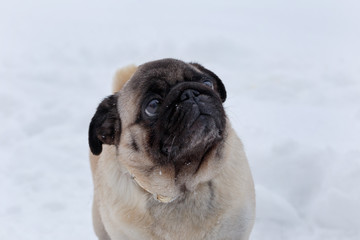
{"x":292,"y":72}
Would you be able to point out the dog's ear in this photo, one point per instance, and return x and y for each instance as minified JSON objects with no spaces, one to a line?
{"x":220,"y":86}
{"x":105,"y":126}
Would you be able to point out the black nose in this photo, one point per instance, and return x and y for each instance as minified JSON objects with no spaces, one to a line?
{"x":188,"y":94}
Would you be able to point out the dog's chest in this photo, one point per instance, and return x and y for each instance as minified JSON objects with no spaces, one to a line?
{"x":190,"y":218}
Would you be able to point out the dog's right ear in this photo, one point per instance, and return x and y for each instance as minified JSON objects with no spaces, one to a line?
{"x":105,"y":126}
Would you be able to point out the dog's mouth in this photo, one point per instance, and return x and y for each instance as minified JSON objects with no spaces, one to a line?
{"x":191,"y":127}
{"x":196,"y":134}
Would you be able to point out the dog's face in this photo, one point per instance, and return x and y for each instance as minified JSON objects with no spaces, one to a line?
{"x":168,"y":125}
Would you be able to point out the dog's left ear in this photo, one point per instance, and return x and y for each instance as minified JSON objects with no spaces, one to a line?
{"x":105,"y":126}
{"x":220,"y":86}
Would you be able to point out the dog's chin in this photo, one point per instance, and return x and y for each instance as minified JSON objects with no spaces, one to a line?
{"x":200,"y":135}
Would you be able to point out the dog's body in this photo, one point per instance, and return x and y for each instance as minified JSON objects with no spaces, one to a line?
{"x":166,"y":163}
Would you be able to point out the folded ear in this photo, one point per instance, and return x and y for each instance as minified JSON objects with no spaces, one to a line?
{"x":220,"y":86}
{"x":105,"y":126}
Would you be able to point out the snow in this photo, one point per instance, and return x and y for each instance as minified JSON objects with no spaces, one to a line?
{"x":291,"y":69}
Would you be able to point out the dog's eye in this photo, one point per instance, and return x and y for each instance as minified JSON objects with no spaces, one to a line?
{"x":152,"y":107}
{"x":209,"y":84}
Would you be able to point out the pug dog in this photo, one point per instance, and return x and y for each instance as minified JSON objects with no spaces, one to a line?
{"x":166,"y":163}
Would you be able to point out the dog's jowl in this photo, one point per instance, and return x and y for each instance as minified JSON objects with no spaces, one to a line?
{"x":166,"y":163}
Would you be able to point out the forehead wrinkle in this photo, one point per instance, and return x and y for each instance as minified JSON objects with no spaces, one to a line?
{"x":159,"y":86}
{"x":166,"y":74}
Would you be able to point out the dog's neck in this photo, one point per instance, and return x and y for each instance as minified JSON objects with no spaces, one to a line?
{"x":160,"y":198}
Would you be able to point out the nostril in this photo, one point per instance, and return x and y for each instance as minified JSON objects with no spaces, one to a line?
{"x":189,"y":93}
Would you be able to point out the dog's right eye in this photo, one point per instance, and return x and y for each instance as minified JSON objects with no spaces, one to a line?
{"x":209,"y":84}
{"x":152,"y":107}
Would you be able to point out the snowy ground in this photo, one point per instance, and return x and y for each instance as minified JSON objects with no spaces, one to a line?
{"x":292,"y":71}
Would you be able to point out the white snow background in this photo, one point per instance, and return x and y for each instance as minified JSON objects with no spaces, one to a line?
{"x":291,"y":69}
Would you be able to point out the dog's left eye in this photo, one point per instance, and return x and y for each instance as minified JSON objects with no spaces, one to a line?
{"x":152,"y":107}
{"x":209,"y":84}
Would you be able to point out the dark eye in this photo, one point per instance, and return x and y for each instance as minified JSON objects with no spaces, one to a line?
{"x":152,"y":107}
{"x":209,"y":84}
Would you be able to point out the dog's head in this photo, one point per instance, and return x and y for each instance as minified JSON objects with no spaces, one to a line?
{"x":168,"y":125}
